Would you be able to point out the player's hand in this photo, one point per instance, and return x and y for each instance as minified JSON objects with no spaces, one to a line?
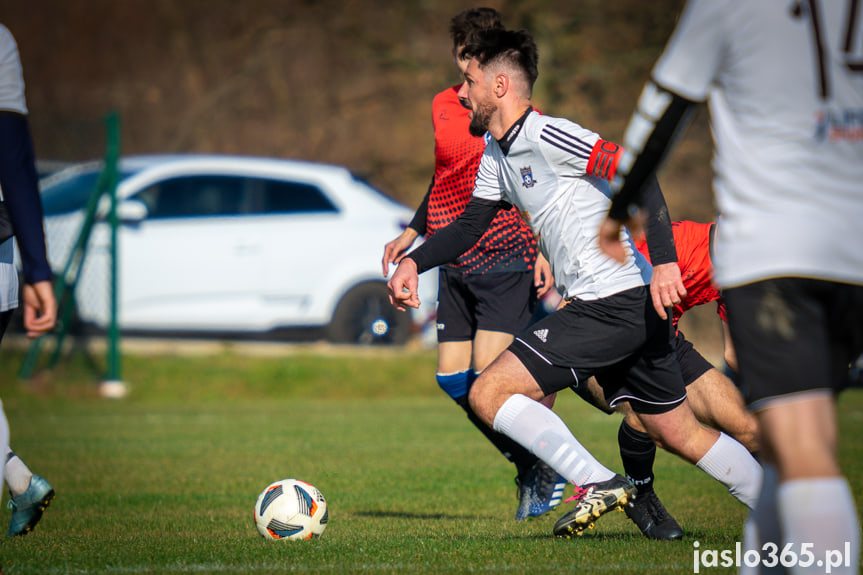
{"x":609,"y":235}
{"x":666,"y":287}
{"x":403,"y":286}
{"x":395,"y":250}
{"x":40,"y":308}
{"x":542,"y":278}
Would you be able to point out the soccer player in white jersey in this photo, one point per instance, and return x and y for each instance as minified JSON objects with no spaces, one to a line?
{"x":21,"y":215}
{"x":784,"y":86}
{"x":556,"y":173}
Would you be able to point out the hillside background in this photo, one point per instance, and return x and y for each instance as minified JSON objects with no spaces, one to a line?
{"x":347,"y":82}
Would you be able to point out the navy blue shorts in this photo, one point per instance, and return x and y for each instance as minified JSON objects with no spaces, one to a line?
{"x":503,"y":302}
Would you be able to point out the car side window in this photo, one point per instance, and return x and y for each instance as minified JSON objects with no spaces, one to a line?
{"x":209,"y":196}
{"x":280,"y":197}
{"x":194,"y":196}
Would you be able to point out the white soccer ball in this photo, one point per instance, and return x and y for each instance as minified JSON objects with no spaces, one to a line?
{"x":291,"y":509}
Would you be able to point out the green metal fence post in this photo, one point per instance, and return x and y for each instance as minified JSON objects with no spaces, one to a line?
{"x":111,"y":159}
{"x":64,"y":285}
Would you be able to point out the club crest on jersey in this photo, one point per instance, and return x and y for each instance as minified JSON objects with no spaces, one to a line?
{"x":486,"y":138}
{"x":527,"y":177}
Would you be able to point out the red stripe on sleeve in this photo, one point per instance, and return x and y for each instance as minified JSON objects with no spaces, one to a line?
{"x":604,"y":159}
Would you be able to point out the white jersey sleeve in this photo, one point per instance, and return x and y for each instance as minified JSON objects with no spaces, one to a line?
{"x":488,"y":184}
{"x":693,"y":55}
{"x":784,"y":86}
{"x":11,"y":75}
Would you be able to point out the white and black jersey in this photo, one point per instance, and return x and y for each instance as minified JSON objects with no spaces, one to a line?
{"x":784,"y":84}
{"x":541,"y":166}
{"x":19,"y":190}
{"x":11,"y":100}
{"x":555,"y":172}
{"x":11,"y":75}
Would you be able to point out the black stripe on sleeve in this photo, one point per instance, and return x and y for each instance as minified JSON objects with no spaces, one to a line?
{"x":566,"y":142}
{"x":660,"y":141}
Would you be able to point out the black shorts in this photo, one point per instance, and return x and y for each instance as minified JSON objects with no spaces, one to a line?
{"x":692,"y":364}
{"x":793,"y":335}
{"x":5,"y":318}
{"x":618,"y":339}
{"x":502,"y":302}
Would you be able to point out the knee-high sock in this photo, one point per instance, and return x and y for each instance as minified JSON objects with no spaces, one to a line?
{"x":821,"y":512}
{"x":457,"y":386}
{"x":4,"y":436}
{"x":539,"y":429}
{"x":637,"y":452}
{"x":728,"y":462}
{"x":17,"y":474}
{"x":762,"y":525}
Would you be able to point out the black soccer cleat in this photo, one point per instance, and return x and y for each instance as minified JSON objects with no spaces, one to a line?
{"x":650,"y":515}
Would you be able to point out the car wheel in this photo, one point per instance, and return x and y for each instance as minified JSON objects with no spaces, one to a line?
{"x":365,"y":316}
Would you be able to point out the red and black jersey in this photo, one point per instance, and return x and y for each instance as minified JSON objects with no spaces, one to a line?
{"x":696,"y":268}
{"x":508,"y":244}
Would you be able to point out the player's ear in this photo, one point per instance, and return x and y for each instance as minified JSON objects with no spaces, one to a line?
{"x":501,"y":85}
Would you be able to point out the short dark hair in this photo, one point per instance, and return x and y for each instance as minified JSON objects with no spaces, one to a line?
{"x":466,"y":23}
{"x":515,"y":47}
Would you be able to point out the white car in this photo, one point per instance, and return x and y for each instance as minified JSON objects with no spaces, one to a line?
{"x":234,"y":245}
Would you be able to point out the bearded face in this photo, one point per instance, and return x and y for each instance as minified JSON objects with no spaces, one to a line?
{"x":480,"y":119}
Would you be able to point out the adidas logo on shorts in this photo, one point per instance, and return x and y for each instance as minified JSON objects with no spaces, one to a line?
{"x":542,"y":334}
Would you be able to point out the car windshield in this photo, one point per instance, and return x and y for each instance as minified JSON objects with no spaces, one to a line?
{"x":70,"y":189}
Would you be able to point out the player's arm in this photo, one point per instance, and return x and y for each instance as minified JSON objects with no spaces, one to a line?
{"x":19,"y":183}
{"x":419,"y":223}
{"x":396,"y":249}
{"x":20,"y":187}
{"x":445,"y":245}
{"x":666,"y":283}
{"x":459,"y":236}
{"x":659,"y":118}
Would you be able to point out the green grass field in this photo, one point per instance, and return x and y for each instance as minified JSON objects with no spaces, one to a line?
{"x":165,"y":480}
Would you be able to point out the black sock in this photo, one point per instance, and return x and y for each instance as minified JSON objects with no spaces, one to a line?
{"x":513,"y":451}
{"x":638,"y":452}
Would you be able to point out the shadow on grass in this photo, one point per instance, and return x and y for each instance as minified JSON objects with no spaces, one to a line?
{"x":409,"y":515}
{"x":606,"y":536}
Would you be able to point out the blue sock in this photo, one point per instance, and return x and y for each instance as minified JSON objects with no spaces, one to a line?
{"x":454,"y":384}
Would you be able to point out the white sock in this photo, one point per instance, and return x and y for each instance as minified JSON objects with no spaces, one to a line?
{"x":732,"y":465}
{"x":820,"y":512}
{"x":17,"y":473}
{"x":540,"y":430}
{"x":4,"y":438}
{"x":762,"y":526}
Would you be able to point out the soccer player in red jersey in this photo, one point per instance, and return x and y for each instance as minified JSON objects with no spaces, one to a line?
{"x":488,"y":293}
{"x":714,"y":398}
